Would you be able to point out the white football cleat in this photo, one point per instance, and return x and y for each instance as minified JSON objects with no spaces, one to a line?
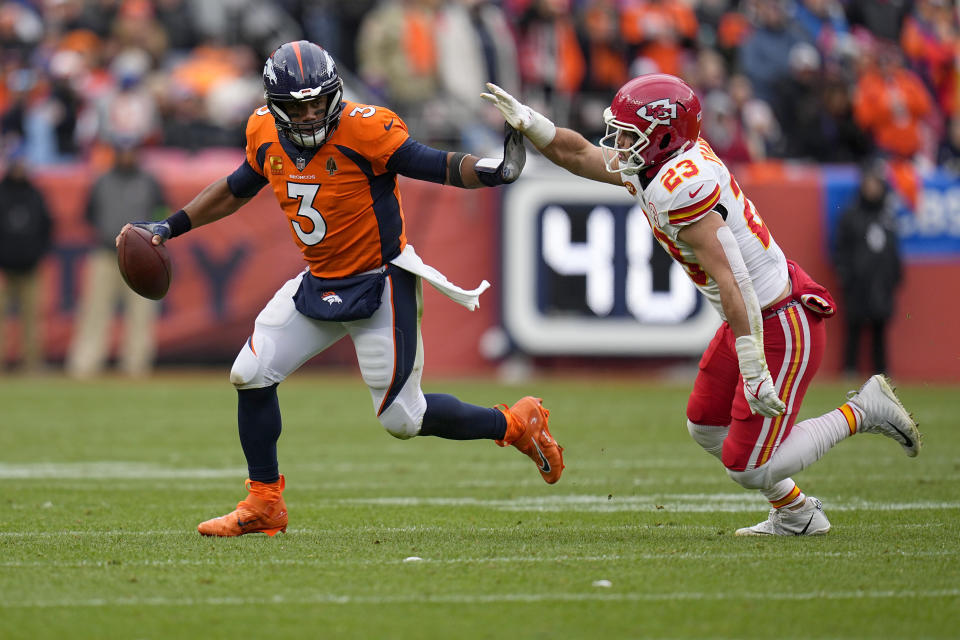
{"x":885,"y":414}
{"x":808,"y":520}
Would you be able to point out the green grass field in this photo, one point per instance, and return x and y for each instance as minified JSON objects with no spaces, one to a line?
{"x":104,"y":483}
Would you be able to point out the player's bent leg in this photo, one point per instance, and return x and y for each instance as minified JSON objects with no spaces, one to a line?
{"x":259,"y":425}
{"x":394,"y":385}
{"x":402,"y":419}
{"x":282,"y":340}
{"x":390,"y":354}
{"x":450,"y":418}
{"x":262,"y":511}
{"x":758,"y":478}
{"x":710,"y":438}
{"x":708,"y":407}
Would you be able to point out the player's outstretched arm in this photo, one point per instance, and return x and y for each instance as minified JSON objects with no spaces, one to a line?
{"x":564,"y":147}
{"x":215,"y":201}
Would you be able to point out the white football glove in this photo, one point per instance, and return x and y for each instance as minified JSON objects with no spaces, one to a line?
{"x":533,"y":124}
{"x":758,"y":385}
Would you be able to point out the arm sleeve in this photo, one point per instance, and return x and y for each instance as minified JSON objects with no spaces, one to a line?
{"x":744,"y":282}
{"x":418,"y":161}
{"x":245,"y":182}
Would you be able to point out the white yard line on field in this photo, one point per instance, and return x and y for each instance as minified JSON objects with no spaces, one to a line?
{"x":483,"y":598}
{"x":655,"y":502}
{"x":751,"y":554}
{"x":351,"y":475}
{"x":105,"y":471}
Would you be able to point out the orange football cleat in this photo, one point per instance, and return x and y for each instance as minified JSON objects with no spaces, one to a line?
{"x":527,"y":431}
{"x":262,"y":511}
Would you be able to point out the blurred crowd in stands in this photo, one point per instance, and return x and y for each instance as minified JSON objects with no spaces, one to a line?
{"x":829,"y":81}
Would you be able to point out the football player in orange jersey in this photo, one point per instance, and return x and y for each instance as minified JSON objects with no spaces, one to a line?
{"x":362,"y":278}
{"x":753,"y":375}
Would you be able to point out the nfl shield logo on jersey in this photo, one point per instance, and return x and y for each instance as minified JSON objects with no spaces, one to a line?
{"x":301,"y":162}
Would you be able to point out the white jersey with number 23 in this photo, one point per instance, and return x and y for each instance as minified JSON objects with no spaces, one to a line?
{"x":686,"y":189}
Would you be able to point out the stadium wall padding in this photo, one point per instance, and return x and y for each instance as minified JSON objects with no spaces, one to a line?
{"x":224,"y":273}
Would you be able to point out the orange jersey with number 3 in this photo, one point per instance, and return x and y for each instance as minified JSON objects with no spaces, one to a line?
{"x":342,"y":204}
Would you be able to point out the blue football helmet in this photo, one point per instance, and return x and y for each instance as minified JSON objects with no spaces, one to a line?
{"x":298,"y":72}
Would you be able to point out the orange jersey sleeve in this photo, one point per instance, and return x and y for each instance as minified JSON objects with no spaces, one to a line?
{"x":341,"y":202}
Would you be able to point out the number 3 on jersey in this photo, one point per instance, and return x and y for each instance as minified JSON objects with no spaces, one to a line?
{"x":306,"y":194}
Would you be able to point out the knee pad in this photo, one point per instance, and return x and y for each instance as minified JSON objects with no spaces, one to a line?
{"x":758,"y":478}
{"x":708,"y":437}
{"x":400,"y":422}
{"x":249,"y":370}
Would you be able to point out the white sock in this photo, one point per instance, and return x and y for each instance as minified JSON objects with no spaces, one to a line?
{"x":784,"y":494}
{"x":807,"y":442}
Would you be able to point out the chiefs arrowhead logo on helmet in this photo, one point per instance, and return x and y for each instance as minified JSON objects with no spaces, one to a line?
{"x":661,"y":111}
{"x":652,"y":118}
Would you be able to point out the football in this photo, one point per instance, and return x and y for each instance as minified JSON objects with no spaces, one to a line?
{"x":145,"y":267}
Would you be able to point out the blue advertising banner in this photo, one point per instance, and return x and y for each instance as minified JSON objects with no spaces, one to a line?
{"x":932,"y":233}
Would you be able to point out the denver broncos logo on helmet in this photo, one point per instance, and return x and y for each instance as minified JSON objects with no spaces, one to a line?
{"x":659,"y":111}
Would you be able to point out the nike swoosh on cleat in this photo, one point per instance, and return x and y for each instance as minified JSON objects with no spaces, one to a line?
{"x":545,"y":467}
{"x":906,"y":439}
{"x":241,"y":523}
{"x":804,"y":530}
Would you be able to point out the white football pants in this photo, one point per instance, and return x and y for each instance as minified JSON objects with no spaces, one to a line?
{"x":388,"y":346}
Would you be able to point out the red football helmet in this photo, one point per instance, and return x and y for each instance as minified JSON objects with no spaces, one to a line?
{"x":657,"y":114}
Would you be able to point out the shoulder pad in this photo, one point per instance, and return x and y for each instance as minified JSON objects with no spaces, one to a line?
{"x":370,"y":120}
{"x":692,"y":199}
{"x":260,"y":124}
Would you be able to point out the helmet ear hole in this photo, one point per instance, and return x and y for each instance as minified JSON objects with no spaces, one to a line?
{"x":665,"y":141}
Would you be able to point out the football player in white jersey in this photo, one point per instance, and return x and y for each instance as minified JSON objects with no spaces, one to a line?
{"x":753,"y":375}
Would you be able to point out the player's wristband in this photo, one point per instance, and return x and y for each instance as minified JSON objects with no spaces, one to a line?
{"x":541,"y":130}
{"x":179,"y":223}
{"x":456,"y":176}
